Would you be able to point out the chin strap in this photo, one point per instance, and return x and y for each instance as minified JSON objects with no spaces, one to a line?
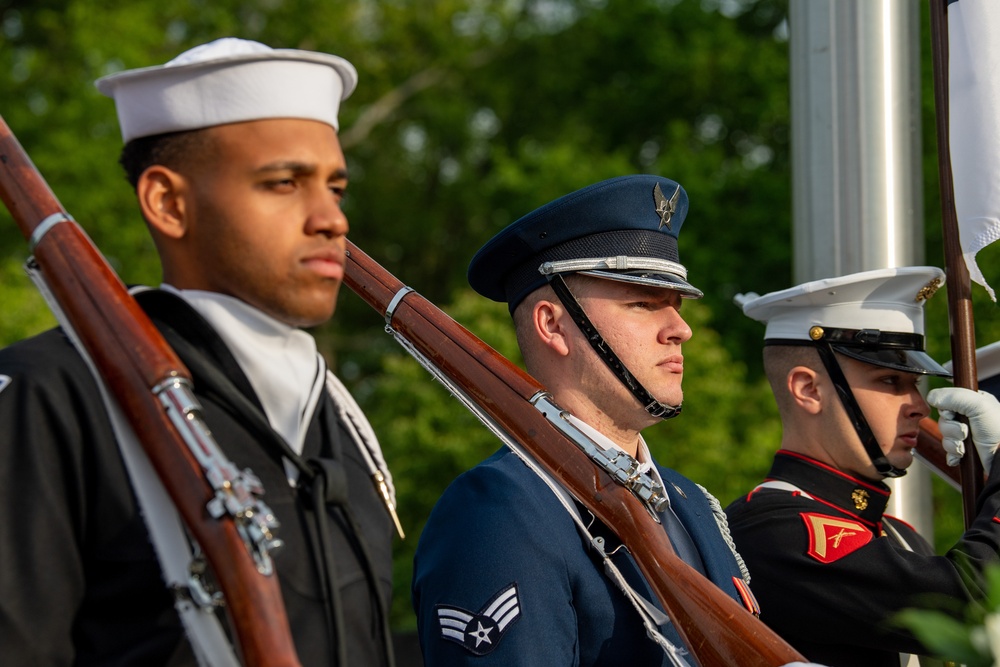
{"x":604,"y":351}
{"x":854,"y":413}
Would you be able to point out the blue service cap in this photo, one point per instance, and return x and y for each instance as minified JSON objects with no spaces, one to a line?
{"x":621,"y":229}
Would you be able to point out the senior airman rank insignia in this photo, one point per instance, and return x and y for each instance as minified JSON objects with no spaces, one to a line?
{"x":831,"y":538}
{"x":480,"y":632}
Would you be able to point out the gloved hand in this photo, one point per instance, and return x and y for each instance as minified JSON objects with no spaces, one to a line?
{"x":983,"y":412}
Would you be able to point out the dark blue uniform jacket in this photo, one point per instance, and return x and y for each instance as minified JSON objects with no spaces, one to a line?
{"x":503,"y":577}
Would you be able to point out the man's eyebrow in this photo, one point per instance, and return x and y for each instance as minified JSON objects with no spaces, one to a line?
{"x":287,"y":165}
{"x":298,"y":167}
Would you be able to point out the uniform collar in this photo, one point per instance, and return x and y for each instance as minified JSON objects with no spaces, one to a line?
{"x":862,"y":498}
{"x":643,"y":456}
{"x":281,"y":362}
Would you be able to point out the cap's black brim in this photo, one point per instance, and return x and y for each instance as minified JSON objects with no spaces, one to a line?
{"x":910,"y":361}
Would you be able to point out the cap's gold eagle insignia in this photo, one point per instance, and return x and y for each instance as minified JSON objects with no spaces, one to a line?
{"x":665,"y":208}
{"x":928,"y":290}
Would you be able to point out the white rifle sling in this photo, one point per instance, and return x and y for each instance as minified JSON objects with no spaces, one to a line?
{"x":166,"y":530}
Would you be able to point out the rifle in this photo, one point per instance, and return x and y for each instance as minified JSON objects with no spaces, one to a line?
{"x":217,"y":502}
{"x":717,"y":630}
{"x":930,"y":450}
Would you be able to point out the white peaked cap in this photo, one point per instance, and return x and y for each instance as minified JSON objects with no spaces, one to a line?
{"x":226,"y":81}
{"x":884,"y":299}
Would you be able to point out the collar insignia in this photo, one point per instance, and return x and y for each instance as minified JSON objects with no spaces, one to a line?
{"x":480,"y":632}
{"x":860,"y":498}
{"x":928,"y":290}
{"x":665,"y":208}
{"x":830,"y":538}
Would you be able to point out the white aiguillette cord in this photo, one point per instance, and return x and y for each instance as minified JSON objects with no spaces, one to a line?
{"x":166,"y":531}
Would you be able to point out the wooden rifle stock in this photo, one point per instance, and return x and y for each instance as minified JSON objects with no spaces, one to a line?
{"x":134,"y":360}
{"x":717,"y":630}
{"x":931,"y":452}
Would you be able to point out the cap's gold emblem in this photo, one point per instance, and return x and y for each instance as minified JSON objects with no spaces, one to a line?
{"x":927,"y":291}
{"x":860,"y":498}
{"x":665,"y":208}
{"x":816,"y":333}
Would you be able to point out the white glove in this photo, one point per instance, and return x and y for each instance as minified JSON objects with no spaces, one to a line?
{"x":983,"y":412}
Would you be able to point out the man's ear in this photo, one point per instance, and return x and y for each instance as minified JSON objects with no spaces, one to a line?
{"x":548,"y":321}
{"x":162,"y":196}
{"x":806,"y":389}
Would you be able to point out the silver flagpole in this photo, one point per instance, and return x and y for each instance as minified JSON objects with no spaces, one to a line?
{"x":856,"y":172}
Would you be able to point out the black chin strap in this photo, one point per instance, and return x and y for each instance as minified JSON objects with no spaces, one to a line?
{"x":854,"y":413}
{"x":604,"y":351}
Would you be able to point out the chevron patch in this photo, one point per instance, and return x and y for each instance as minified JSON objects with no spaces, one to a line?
{"x":480,"y":632}
{"x":831,"y":539}
{"x":4,"y":381}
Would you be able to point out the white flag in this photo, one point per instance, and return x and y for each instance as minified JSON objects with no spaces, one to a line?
{"x":974,"y":108}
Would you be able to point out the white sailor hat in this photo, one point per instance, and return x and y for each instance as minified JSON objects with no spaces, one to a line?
{"x":229,"y":80}
{"x":873,"y":316}
{"x":987,"y":368}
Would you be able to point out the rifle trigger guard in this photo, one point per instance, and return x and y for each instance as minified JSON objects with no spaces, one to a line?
{"x":396,"y":300}
{"x":199,"y":590}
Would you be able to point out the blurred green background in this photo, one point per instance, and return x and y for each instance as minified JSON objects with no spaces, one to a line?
{"x":468,"y":114}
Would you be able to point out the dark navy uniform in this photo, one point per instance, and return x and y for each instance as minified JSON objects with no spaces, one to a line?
{"x":499,"y":534}
{"x":80,"y":583}
{"x":830,"y":569}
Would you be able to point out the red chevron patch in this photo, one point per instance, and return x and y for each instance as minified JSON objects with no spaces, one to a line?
{"x":832,"y":538}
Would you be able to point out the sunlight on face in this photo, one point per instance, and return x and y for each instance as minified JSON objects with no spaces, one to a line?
{"x":893,"y":405}
{"x":266,"y":223}
{"x":644,"y":327}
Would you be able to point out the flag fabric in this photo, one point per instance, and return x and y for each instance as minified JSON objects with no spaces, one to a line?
{"x":974,"y":109}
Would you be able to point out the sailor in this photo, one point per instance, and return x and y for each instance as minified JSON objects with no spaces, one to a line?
{"x":232,"y":148}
